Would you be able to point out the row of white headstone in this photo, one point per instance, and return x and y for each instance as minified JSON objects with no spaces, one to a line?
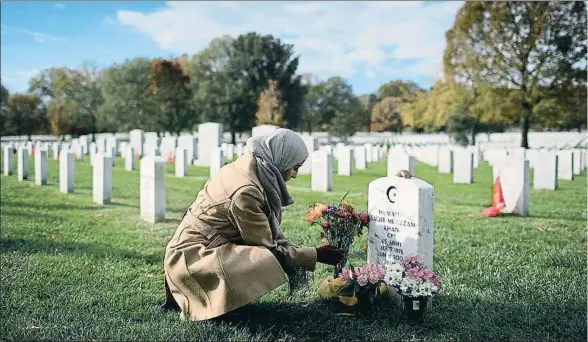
{"x":152,"y":180}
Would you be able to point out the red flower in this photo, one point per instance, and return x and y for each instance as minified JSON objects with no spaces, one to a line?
{"x":325,"y":225}
{"x":365,"y":219}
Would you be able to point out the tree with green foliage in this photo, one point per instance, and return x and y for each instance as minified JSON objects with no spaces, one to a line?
{"x":126,"y":105}
{"x":459,"y":127}
{"x":405,"y":90}
{"x":310,"y":115}
{"x":57,"y":87}
{"x":4,"y":95}
{"x":235,"y":86}
{"x":25,"y":115}
{"x":523,"y":46}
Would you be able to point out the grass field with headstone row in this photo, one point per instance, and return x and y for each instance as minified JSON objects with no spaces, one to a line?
{"x":74,"y":270}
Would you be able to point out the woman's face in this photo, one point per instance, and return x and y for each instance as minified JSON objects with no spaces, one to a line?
{"x":291,"y":172}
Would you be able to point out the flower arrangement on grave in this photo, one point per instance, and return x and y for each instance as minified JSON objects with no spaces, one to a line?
{"x":365,"y":284}
{"x":340,"y":225}
{"x":414,"y":282}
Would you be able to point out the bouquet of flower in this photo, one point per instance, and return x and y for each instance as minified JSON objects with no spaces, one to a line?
{"x":340,"y":224}
{"x":364,"y":283}
{"x":415,"y":283}
{"x":412,"y":278}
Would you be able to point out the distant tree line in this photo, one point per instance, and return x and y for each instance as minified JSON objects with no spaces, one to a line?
{"x":507,"y":64}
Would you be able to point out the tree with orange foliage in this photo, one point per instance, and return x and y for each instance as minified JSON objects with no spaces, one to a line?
{"x":270,"y":109}
{"x":168,"y":87}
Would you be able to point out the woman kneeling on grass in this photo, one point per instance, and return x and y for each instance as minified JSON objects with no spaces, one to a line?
{"x":229,"y":250}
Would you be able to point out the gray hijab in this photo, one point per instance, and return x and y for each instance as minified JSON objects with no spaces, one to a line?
{"x":274,"y":152}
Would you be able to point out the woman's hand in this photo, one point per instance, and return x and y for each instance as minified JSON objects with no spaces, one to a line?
{"x":329,"y":255}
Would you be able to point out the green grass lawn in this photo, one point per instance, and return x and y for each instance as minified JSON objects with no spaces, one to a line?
{"x":74,"y":270}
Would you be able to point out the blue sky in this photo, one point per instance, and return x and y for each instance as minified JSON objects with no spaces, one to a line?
{"x":367,"y":43}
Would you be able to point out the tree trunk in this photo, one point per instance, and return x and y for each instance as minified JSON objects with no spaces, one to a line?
{"x":525,"y":124}
{"x":474,"y":132}
{"x":233,"y":137}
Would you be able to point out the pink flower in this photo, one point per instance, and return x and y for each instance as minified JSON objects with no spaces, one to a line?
{"x":344,"y":274}
{"x":373,"y":277}
{"x":362,"y":279}
{"x":325,"y":225}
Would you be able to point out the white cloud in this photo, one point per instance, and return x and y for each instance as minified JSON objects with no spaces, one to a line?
{"x":59,"y":5}
{"x":38,"y":37}
{"x":332,"y":38}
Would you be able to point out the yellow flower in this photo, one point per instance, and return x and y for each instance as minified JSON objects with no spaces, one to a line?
{"x":329,"y":288}
{"x":349,"y":301}
{"x":383,"y":288}
{"x":315,"y":212}
{"x":325,"y":289}
{"x":347,"y":204}
{"x":336,"y":285}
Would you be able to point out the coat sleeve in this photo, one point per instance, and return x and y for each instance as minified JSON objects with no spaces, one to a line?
{"x":246,"y":213}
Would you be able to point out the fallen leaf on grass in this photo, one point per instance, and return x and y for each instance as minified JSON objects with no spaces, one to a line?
{"x":150,"y":275}
{"x":539,"y":229}
{"x":52,"y":236}
{"x":99,"y":215}
{"x":89,"y":268}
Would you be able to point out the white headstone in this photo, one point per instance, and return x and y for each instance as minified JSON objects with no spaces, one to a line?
{"x":79,"y":152}
{"x":152,"y":189}
{"x":210,"y":135}
{"x":56,"y":150}
{"x":346,"y":161}
{"x":463,"y":170}
{"x":262,"y":129}
{"x":368,"y":153}
{"x":129,"y":158}
{"x":181,"y":162}
{"x":477,"y":156}
{"x":515,"y":181}
{"x":445,"y":162}
{"x":311,"y":145}
{"x":578,"y":161}
{"x":66,"y":172}
{"x":8,"y":163}
{"x":188,"y":142}
{"x":565,"y":165}
{"x":217,"y":160}
{"x":399,"y":160}
{"x":322,"y":171}
{"x":93,"y":151}
{"x":102,"y":178}
{"x":230,"y":151}
{"x":22,"y":159}
{"x":360,"y":157}
{"x":136,"y":139}
{"x":545,"y":172}
{"x":239,"y":149}
{"x":41,"y":156}
{"x":401,"y":219}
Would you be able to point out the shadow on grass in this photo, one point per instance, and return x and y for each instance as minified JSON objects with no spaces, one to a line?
{"x":279,"y":321}
{"x":44,"y":206}
{"x":462,"y":318}
{"x":119,"y":204}
{"x":26,"y":246}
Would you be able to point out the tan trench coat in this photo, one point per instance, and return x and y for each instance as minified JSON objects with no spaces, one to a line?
{"x":218,"y":259}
